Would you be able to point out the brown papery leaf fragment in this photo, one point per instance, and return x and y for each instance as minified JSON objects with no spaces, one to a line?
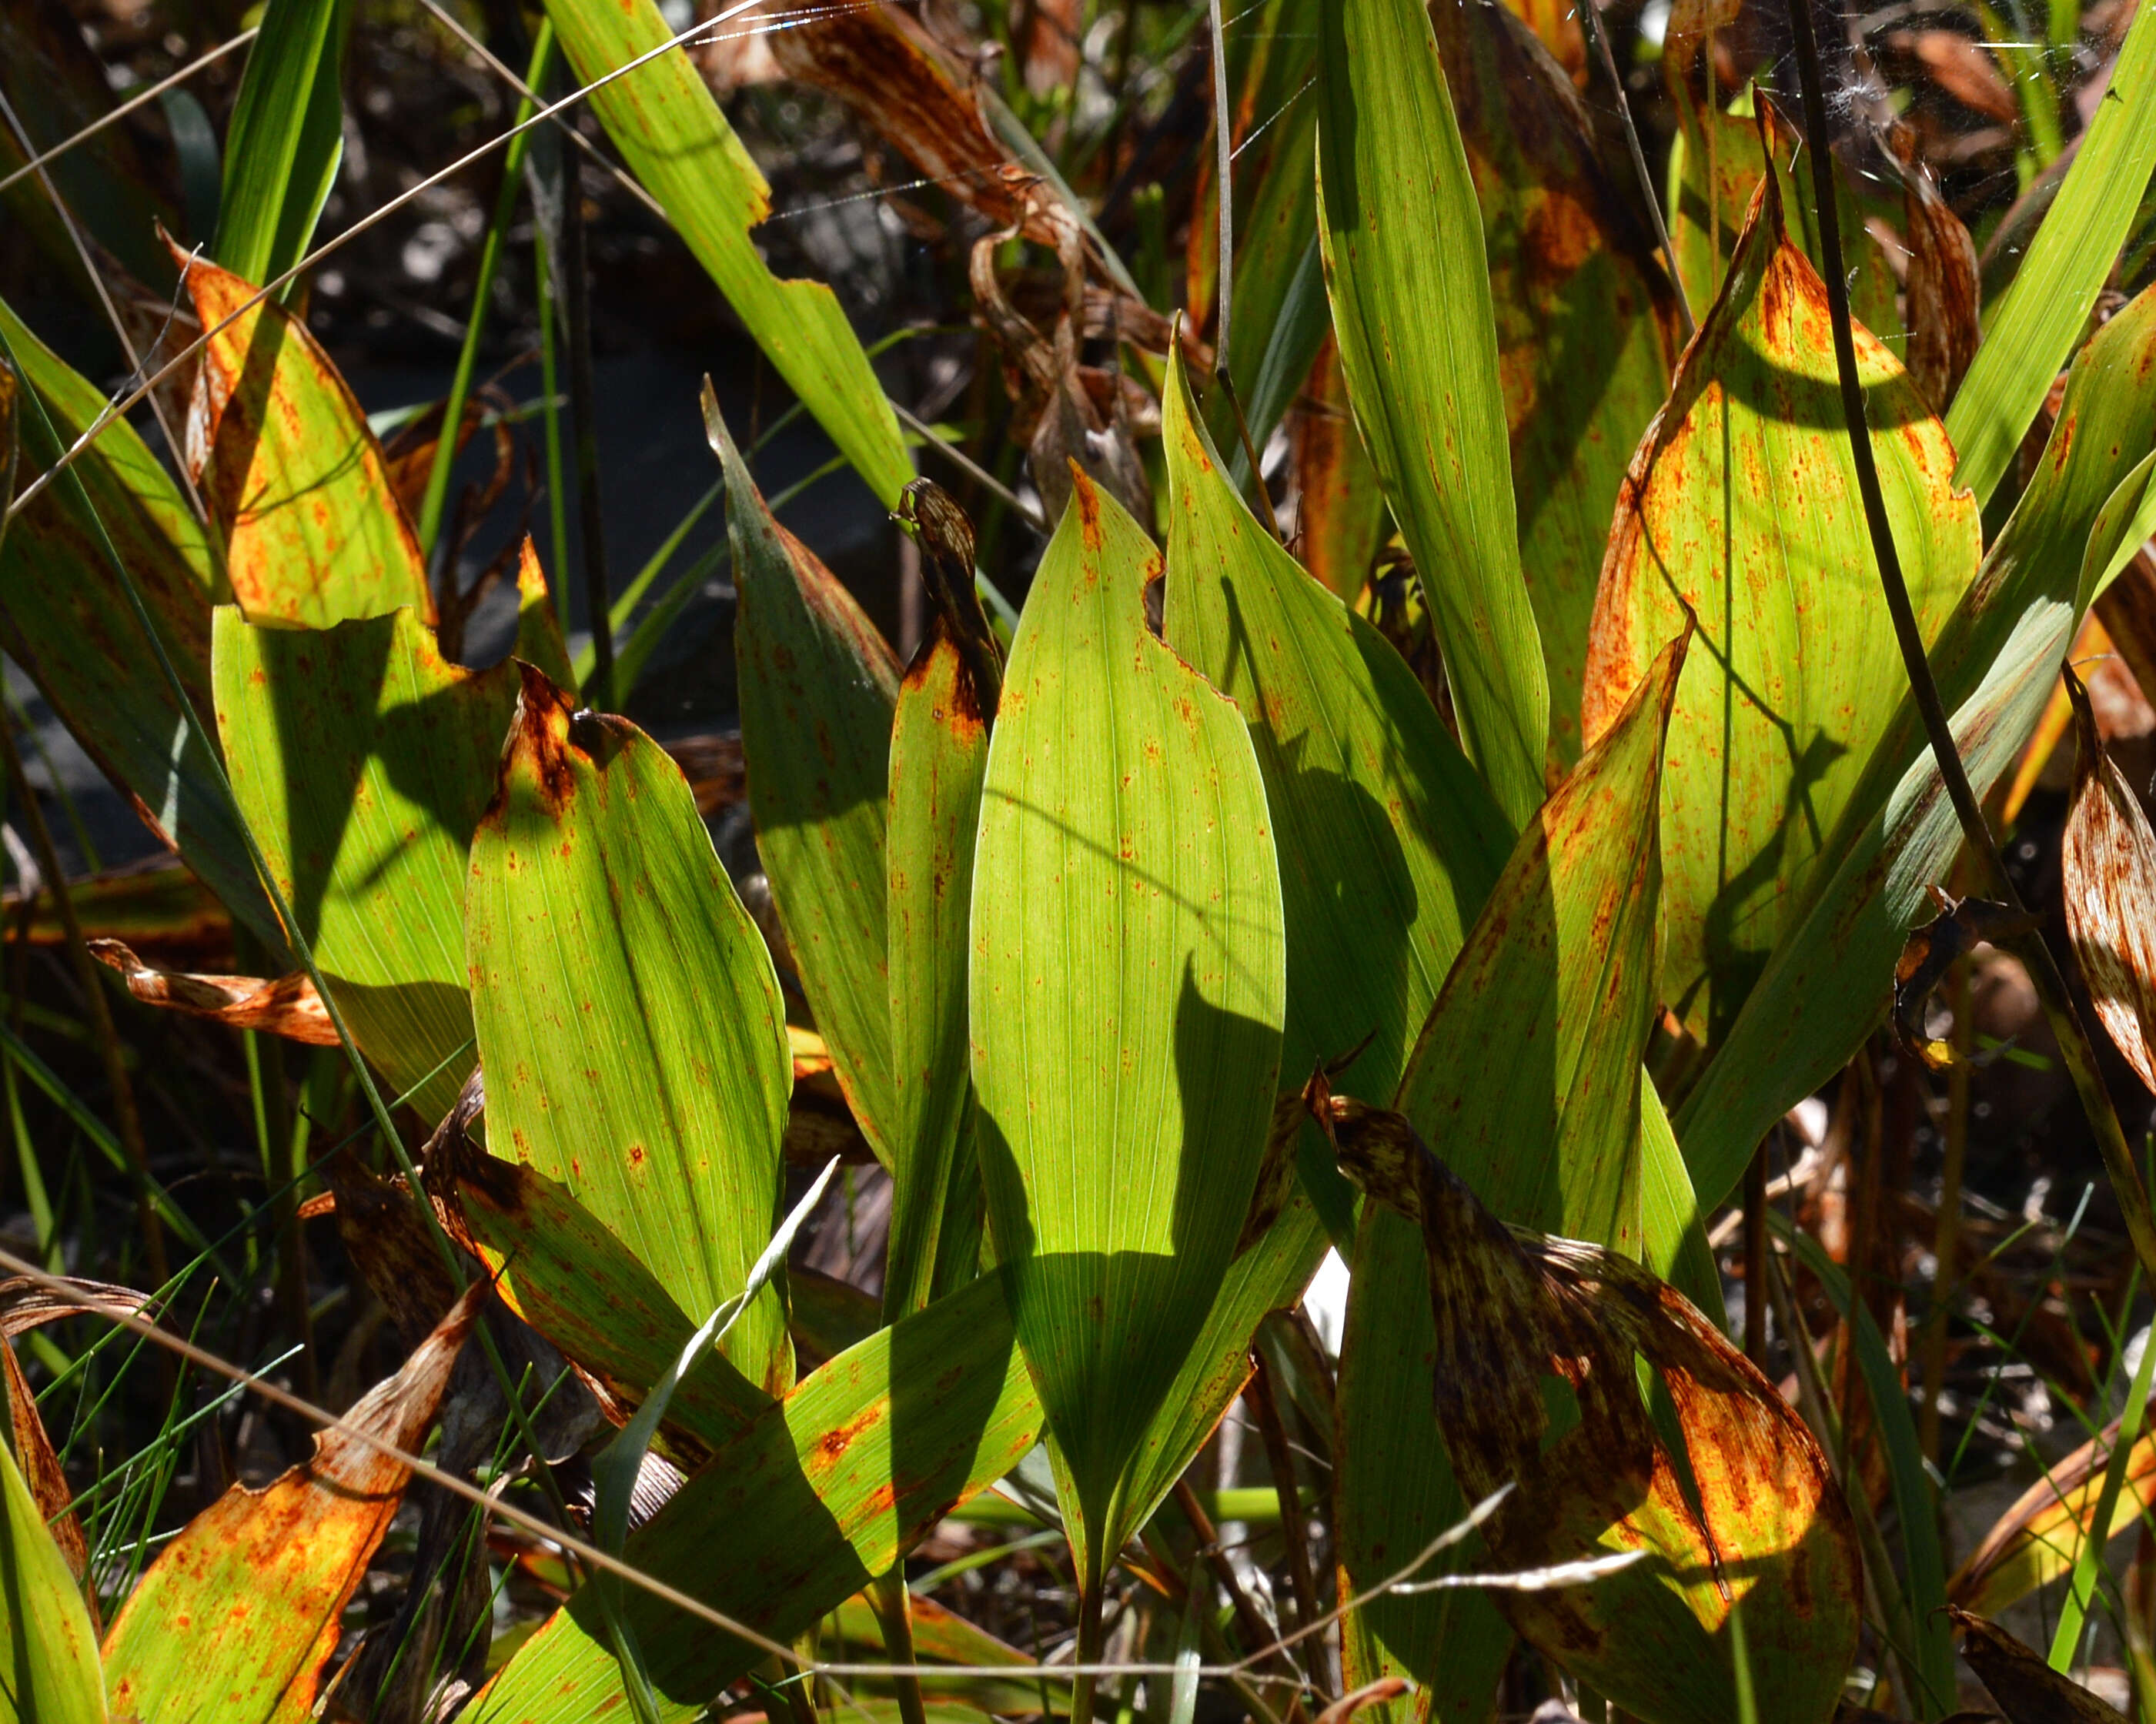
{"x":2028,"y":1689}
{"x":240,"y":1614}
{"x":1943,"y":291}
{"x":282,"y":1005}
{"x":2108,"y":868}
{"x":1535,"y":1388}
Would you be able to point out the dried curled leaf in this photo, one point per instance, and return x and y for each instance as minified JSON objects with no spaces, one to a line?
{"x":2108,"y":863}
{"x":2036,"y":1540}
{"x":1930,"y":951}
{"x":1535,"y":1387}
{"x":282,"y":1005}
{"x":2028,"y":1690}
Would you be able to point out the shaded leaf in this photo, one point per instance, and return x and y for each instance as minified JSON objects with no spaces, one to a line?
{"x":2036,"y":1540}
{"x":363,"y":760}
{"x":2028,"y":1690}
{"x":1933,"y":950}
{"x":817,"y":1497}
{"x":1126,"y":995}
{"x":628,"y":1017}
{"x":1996,"y":663}
{"x":65,"y":619}
{"x":1409,"y":286}
{"x":669,"y":130}
{"x":2039,"y":320}
{"x":239,"y":1615}
{"x":1587,"y":325}
{"x":2108,"y":862}
{"x":1560,"y":1414}
{"x":1341,"y":518}
{"x":286,"y":137}
{"x":818,"y":688}
{"x":283,"y":1005}
{"x":1741,"y":508}
{"x":298,"y":489}
{"x":158,"y":907}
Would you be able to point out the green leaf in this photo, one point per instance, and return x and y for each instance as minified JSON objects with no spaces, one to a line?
{"x":1126,"y":985}
{"x":65,"y":618}
{"x":238,"y":1618}
{"x":1388,"y":841}
{"x":2028,"y":335}
{"x":567,"y":1275}
{"x":1587,"y":326}
{"x":817,"y":1497}
{"x":939,"y":757}
{"x":1996,"y":663}
{"x":818,"y":685}
{"x":1409,"y":284}
{"x":628,"y":1020}
{"x":1555,"y":987}
{"x":668,"y":127}
{"x":287,"y":138}
{"x":362,"y":761}
{"x":298,"y":489}
{"x":48,"y":1670}
{"x":1743,"y":509}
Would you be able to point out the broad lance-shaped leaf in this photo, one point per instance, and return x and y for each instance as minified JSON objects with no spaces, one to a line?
{"x":239,"y":1615}
{"x":818,"y":687}
{"x":2086,"y":507}
{"x":2108,"y":861}
{"x":939,"y":757}
{"x":1587,"y":326}
{"x":1741,"y":508}
{"x":1409,"y":284}
{"x":298,"y":489}
{"x":65,"y":619}
{"x":668,"y":127}
{"x":2029,"y":334}
{"x":1126,"y":992}
{"x":363,"y":760}
{"x":629,"y":1022}
{"x":48,"y":1662}
{"x":1554,"y":986}
{"x":1558,"y":1413}
{"x":286,"y":139}
{"x":817,"y":1497}
{"x":1388,"y":841}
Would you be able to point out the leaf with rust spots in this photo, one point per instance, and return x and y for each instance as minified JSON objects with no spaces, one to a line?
{"x":563,"y":1271}
{"x":819,"y":686}
{"x":939,"y":755}
{"x":239,"y":1615}
{"x":1587,"y":323}
{"x":1558,"y":1413}
{"x":1741,"y":507}
{"x":670,"y":131}
{"x":939,"y":1406}
{"x":623,"y":998}
{"x":1127,"y":983}
{"x":299,"y":491}
{"x":1553,"y":985}
{"x":2108,"y":865}
{"x":66,"y":619}
{"x":2087,"y":506}
{"x":2028,"y":1689}
{"x":283,"y":1005}
{"x":363,"y":760}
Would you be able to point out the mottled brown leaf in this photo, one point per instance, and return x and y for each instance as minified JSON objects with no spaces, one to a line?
{"x":2108,"y":865}
{"x":282,"y":1005}
{"x":1943,"y":291}
{"x":1555,"y":1409}
{"x":40,"y":1466}
{"x":2028,"y":1690}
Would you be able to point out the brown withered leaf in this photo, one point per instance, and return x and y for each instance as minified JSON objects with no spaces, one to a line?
{"x":387,"y":1242}
{"x":2039,"y":1537}
{"x":1962,"y":67}
{"x":2028,"y":1689}
{"x":24,"y":1304}
{"x":239,"y":1615}
{"x":1535,"y":1388}
{"x":282,"y":1005}
{"x":1944,"y":292}
{"x":40,"y":1465}
{"x":2108,"y":865}
{"x":1929,"y":952}
{"x":946,"y":543}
